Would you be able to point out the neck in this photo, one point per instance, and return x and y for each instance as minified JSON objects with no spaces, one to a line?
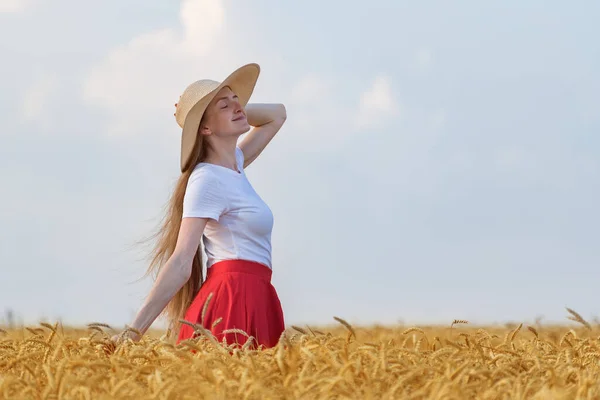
{"x":222,"y":152}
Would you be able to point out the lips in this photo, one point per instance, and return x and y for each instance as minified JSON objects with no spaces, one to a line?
{"x":241,"y":117}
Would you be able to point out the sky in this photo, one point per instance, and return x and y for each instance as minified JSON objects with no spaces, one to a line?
{"x":440,"y":160}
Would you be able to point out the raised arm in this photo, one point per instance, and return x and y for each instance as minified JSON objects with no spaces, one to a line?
{"x":266,"y":120}
{"x":172,"y":276}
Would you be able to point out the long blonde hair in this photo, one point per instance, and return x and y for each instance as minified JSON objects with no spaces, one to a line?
{"x":166,"y":238}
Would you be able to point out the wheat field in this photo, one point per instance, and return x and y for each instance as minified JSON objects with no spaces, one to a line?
{"x":457,"y":361}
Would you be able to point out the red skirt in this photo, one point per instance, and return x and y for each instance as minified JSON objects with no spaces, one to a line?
{"x":243,"y":296}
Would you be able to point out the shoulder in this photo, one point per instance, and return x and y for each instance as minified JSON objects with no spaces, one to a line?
{"x":203,"y":176}
{"x":204,"y":196}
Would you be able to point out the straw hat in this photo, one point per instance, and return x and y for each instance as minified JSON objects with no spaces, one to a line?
{"x":197,"y":96}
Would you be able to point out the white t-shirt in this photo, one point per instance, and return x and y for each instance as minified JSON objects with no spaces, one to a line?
{"x":240,"y":221}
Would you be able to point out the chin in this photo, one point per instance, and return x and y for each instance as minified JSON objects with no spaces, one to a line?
{"x":237,"y":129}
{"x":245,"y":129}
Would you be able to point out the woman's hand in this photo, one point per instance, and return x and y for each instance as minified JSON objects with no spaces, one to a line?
{"x":127,"y":334}
{"x":266,"y":119}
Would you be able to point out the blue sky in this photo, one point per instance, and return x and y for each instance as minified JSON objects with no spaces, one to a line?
{"x":439,"y":161}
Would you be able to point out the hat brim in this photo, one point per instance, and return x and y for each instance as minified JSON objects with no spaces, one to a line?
{"x":242,"y":82}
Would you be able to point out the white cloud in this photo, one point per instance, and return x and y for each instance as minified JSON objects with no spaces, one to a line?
{"x":11,"y":6}
{"x":34,"y":106}
{"x":324,"y":119}
{"x":138,"y":83}
{"x":320,"y":117}
{"x":202,"y":21}
{"x":377,"y":104}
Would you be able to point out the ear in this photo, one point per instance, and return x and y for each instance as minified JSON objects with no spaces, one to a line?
{"x":204,"y":130}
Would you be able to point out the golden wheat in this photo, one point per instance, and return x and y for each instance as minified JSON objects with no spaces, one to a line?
{"x":56,"y":362}
{"x":578,"y":318}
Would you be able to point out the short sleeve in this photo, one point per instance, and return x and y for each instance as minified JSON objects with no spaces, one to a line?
{"x":203,"y":197}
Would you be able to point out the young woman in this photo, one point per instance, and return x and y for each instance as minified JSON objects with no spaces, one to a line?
{"x":213,"y":201}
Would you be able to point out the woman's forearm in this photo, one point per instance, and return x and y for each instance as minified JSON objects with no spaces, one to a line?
{"x":172,"y":276}
{"x":262,"y":113}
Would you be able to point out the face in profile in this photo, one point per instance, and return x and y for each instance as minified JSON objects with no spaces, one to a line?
{"x":225,"y":116}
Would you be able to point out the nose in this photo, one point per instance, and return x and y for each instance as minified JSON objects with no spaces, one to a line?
{"x":236,"y":105}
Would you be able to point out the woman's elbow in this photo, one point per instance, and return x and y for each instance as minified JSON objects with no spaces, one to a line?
{"x":282,"y":113}
{"x":182,"y":266}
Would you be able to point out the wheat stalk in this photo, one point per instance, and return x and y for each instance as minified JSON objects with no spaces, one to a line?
{"x":299,"y":329}
{"x":83,"y":364}
{"x":578,"y":318}
{"x":458,"y":321}
{"x":534,"y":331}
{"x":99,"y":324}
{"x":217,"y":322}
{"x":346,"y":324}
{"x":205,"y":307}
{"x":414,"y":329}
{"x":235,"y":331}
{"x":513,"y":334}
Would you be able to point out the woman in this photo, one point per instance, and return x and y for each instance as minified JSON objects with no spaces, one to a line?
{"x":214,"y":202}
